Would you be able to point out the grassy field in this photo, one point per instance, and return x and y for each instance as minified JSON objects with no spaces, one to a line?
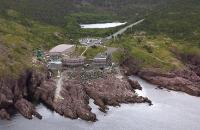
{"x":19,"y":37}
{"x":74,"y":31}
{"x":93,"y":51}
{"x":172,"y":29}
{"x":176,"y":26}
{"x":153,"y":51}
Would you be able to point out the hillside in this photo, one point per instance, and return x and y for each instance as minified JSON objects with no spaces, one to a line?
{"x":163,"y":50}
{"x":68,"y":14}
{"x":158,"y":42}
{"x":180,"y":21}
{"x":19,"y":36}
{"x":86,"y":11}
{"x":25,"y":24}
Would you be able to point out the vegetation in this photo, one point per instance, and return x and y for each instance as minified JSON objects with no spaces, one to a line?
{"x":160,"y":56}
{"x":93,"y":51}
{"x":99,"y":17}
{"x":19,"y":37}
{"x":86,"y":11}
{"x":172,"y":29}
{"x":180,"y":21}
{"x":26,"y":25}
{"x":78,"y":50}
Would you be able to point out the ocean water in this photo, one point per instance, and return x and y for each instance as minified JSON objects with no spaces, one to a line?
{"x":170,"y":111}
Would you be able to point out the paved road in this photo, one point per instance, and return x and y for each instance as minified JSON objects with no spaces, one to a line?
{"x":124,"y":29}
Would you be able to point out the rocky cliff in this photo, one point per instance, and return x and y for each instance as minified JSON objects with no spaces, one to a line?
{"x":17,"y":94}
{"x":73,"y":99}
{"x":186,"y":79}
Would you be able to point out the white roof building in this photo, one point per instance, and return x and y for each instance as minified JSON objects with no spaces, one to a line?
{"x":62,"y":49}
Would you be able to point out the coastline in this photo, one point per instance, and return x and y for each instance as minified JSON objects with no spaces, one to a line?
{"x":107,"y":89}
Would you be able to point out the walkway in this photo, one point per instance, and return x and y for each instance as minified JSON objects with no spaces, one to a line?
{"x":85,"y":50}
{"x":59,"y":88}
{"x":124,"y":30}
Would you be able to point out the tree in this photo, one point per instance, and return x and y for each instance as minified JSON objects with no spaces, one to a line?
{"x":72,"y":27}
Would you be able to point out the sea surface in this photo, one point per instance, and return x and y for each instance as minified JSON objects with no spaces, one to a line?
{"x":170,"y":111}
{"x":102,"y":25}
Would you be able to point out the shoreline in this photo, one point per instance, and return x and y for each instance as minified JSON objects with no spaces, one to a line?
{"x":185,"y":80}
{"x":106,"y":89}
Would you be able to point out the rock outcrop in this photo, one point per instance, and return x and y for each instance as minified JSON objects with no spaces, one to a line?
{"x":131,"y":66}
{"x":186,"y":80}
{"x":182,"y":80}
{"x":112,"y":91}
{"x":73,"y":98}
{"x":75,"y":102}
{"x":26,"y":108}
{"x":15,"y":93}
{"x":4,"y":114}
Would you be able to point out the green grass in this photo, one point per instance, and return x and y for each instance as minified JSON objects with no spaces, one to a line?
{"x":79,"y":50}
{"x":97,"y":32}
{"x":89,"y":18}
{"x":160,"y":57}
{"x":74,"y":31}
{"x":179,"y":21}
{"x":92,"y":52}
{"x":19,"y":37}
{"x":173,"y":28}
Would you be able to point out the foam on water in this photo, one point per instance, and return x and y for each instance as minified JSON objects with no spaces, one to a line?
{"x":170,"y":111}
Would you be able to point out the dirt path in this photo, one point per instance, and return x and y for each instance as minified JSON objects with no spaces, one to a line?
{"x":85,"y":50}
{"x":59,"y":88}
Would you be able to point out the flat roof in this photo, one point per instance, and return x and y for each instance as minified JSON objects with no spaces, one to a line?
{"x":55,"y":62}
{"x":61,"y":48}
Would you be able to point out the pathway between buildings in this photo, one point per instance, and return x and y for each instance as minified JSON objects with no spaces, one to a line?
{"x":59,"y":84}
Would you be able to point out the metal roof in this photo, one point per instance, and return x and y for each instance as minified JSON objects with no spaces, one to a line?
{"x":61,"y":48}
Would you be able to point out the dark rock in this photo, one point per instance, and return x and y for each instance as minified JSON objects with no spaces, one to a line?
{"x":134,"y":84}
{"x":73,"y":101}
{"x":14,"y":92}
{"x":4,"y":114}
{"x":111,"y":91}
{"x":131,"y":66}
{"x":185,"y":80}
{"x":182,"y":80}
{"x":26,"y":108}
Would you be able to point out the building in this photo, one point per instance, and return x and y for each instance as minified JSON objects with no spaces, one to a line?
{"x":61,"y":50}
{"x":54,"y":65}
{"x":102,"y":60}
{"x":56,"y":55}
{"x":73,"y":62}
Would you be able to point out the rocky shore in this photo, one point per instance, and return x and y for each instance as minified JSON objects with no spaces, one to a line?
{"x":107,"y":90}
{"x":73,"y":99}
{"x":186,"y":79}
{"x":16,"y":94}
